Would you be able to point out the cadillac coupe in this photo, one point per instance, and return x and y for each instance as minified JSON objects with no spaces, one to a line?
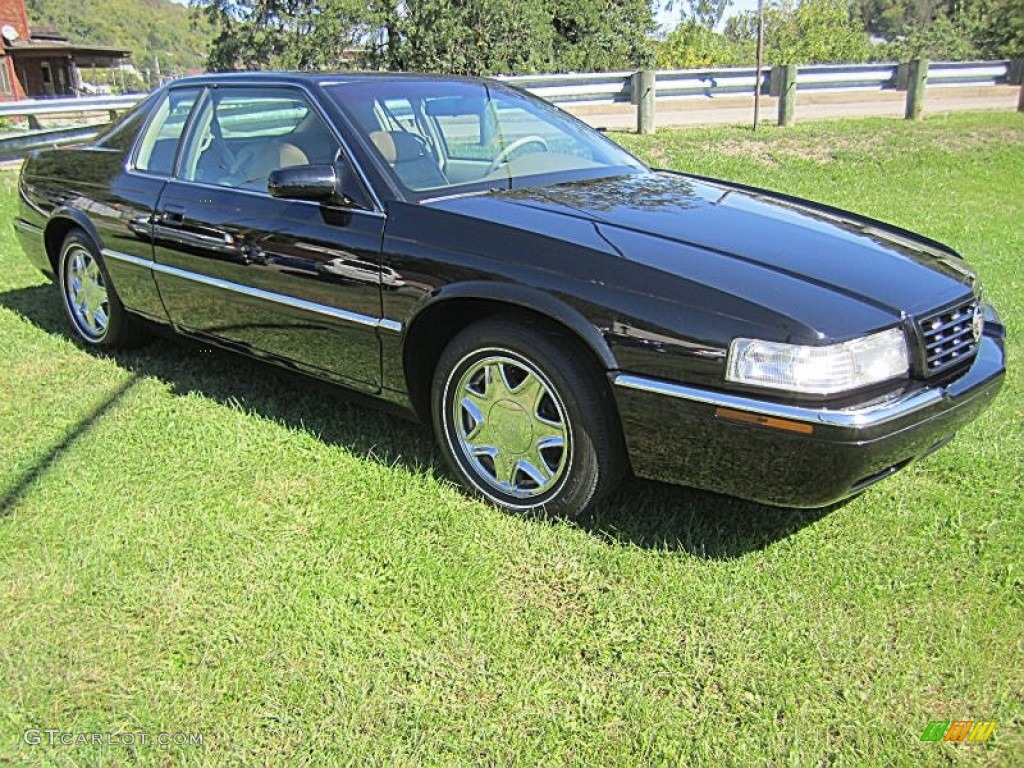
{"x":561,"y":313}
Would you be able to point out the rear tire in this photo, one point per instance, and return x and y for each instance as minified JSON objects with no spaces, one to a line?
{"x":93,"y":308}
{"x":525,"y":420}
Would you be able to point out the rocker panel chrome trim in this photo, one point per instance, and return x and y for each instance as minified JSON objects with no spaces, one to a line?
{"x":258,"y":293}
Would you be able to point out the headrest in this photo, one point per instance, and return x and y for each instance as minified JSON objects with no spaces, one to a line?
{"x":398,"y":146}
{"x":289,"y":155}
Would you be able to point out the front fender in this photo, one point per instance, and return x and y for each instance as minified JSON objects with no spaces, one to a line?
{"x":523,"y":297}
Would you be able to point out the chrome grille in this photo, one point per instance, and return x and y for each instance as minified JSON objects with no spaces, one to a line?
{"x":949,"y":336}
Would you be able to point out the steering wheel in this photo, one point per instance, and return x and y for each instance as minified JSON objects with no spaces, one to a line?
{"x":504,"y":152}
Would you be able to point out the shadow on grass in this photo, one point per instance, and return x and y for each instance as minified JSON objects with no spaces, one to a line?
{"x":14,"y":494}
{"x":641,"y":513}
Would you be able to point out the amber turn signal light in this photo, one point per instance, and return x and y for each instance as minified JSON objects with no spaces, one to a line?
{"x":764,"y":421}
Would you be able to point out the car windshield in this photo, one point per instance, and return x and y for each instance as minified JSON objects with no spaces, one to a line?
{"x":440,"y":138}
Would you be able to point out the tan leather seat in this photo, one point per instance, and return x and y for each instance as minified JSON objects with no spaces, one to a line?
{"x":254,"y":163}
{"x":409,"y":155}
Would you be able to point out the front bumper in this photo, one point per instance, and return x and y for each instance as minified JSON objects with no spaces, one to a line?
{"x":795,"y":456}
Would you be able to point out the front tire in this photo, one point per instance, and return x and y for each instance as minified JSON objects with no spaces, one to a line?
{"x":525,"y":420}
{"x":93,"y":308}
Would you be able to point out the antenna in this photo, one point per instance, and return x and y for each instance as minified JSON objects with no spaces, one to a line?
{"x":10,"y":33}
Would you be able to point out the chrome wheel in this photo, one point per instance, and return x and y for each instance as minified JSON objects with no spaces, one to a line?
{"x":510,"y":425}
{"x":86,"y":292}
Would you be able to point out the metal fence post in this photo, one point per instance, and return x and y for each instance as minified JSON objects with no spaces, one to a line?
{"x":917,"y":79}
{"x":1015,"y":73}
{"x":787,"y":93}
{"x":644,"y":86}
{"x":901,"y":76}
{"x":1016,"y":77}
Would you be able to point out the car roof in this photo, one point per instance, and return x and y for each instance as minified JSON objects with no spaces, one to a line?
{"x":320,"y":78}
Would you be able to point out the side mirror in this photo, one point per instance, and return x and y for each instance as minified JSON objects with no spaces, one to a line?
{"x":304,"y":182}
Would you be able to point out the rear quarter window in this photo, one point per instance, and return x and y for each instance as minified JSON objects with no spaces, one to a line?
{"x":159,"y":145}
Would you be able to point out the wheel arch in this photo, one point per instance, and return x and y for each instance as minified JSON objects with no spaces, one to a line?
{"x":455,"y":307}
{"x":61,"y":222}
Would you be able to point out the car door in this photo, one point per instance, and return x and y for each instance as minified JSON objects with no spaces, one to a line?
{"x":118,"y":191}
{"x":295,"y":281}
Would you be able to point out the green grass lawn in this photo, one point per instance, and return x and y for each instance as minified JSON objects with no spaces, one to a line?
{"x":190,"y":542}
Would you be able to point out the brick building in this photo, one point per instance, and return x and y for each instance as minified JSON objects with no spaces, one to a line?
{"x":41,"y":63}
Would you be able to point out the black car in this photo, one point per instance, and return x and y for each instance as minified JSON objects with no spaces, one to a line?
{"x":561,"y":313}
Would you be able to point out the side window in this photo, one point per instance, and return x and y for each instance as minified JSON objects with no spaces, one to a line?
{"x":159,"y":144}
{"x":242,"y":134}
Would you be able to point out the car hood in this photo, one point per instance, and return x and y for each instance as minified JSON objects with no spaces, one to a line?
{"x":643,"y":215}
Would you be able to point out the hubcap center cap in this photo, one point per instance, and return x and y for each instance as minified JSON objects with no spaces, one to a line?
{"x":511,"y":425}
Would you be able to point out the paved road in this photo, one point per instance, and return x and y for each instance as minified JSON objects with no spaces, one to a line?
{"x":810,"y":106}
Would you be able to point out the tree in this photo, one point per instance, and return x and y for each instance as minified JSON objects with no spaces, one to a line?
{"x":706,"y":13}
{"x":691,"y":45}
{"x":694,"y":42}
{"x":884,"y":18}
{"x":1000,"y":31}
{"x":459,"y":37}
{"x":962,"y":30}
{"x":454,"y":36}
{"x":893,"y":18}
{"x":596,"y":35}
{"x":940,"y":40}
{"x":509,"y":36}
{"x":282,"y":34}
{"x":807,"y":32}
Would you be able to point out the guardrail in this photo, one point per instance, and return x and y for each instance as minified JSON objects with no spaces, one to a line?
{"x":585,"y":87}
{"x":590,"y":88}
{"x":83,"y":105}
{"x":780,"y":81}
{"x":13,"y":147}
{"x":617,"y":87}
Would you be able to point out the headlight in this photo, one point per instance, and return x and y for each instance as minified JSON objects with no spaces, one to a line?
{"x":819,"y":370}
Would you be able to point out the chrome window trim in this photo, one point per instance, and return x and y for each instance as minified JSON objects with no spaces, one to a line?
{"x":455,"y":196}
{"x":870,"y":416}
{"x":258,"y":293}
